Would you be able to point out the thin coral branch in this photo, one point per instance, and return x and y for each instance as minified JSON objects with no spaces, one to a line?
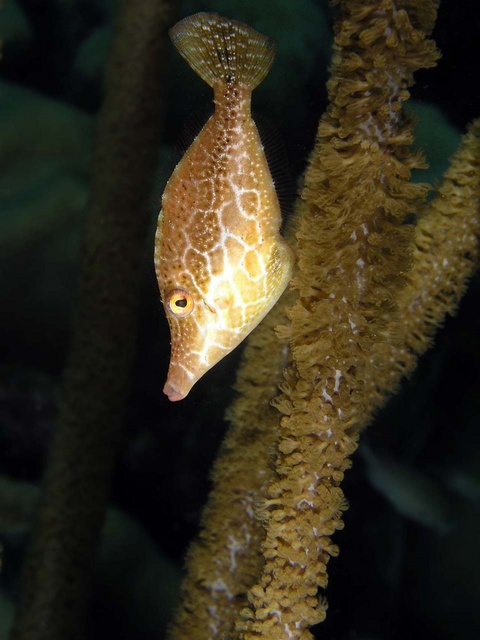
{"x":444,"y":257}
{"x":60,"y":560}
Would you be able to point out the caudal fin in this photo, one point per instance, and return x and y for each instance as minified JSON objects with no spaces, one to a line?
{"x":218,"y":48}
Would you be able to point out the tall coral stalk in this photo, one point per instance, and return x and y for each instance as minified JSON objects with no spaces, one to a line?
{"x":60,"y":560}
{"x":353,"y":248}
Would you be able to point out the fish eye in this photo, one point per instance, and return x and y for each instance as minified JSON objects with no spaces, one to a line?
{"x":180,"y":303}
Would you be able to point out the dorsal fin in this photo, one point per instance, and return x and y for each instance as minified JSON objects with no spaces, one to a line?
{"x":221,"y":49}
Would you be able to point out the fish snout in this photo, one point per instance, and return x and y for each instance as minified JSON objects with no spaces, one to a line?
{"x":179,"y":382}
{"x":173,"y":394}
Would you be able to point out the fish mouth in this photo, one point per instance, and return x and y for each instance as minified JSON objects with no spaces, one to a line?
{"x":173,"y":394}
{"x":179,"y":382}
{"x":181,"y":378}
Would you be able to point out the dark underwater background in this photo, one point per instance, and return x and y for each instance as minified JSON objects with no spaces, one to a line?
{"x":409,"y":564}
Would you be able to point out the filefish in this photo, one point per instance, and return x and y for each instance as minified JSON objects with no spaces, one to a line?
{"x":220,"y":260}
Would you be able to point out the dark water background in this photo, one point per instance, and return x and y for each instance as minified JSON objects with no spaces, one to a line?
{"x":396,"y":576}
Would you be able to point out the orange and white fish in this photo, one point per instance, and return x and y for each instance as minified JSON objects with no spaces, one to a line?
{"x":220,"y":260}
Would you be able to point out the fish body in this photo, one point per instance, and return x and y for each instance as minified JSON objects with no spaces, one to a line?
{"x":220,"y":260}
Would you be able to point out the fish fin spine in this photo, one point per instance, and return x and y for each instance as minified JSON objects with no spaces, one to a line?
{"x":222,"y":49}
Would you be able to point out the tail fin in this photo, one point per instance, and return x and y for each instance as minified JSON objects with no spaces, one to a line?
{"x":222,"y":49}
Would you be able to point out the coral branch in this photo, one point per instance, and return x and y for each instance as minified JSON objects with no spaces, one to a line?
{"x":76,"y":486}
{"x":353,"y":246}
{"x":445,"y":254}
{"x":227,"y":559}
{"x":444,"y":257}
